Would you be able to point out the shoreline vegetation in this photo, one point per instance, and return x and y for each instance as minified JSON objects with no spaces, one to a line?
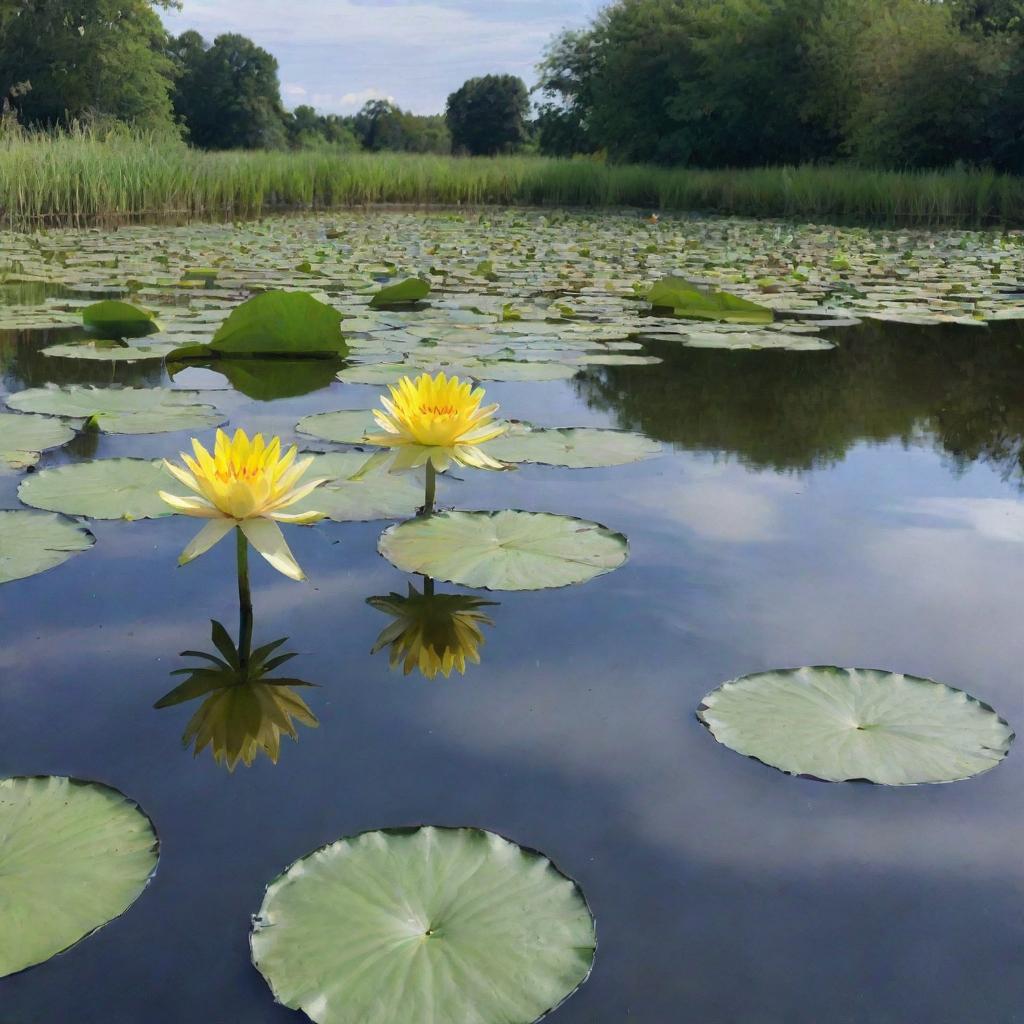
{"x":84,"y":179}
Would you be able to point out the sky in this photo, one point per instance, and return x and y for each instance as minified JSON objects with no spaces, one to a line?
{"x":337,"y":54}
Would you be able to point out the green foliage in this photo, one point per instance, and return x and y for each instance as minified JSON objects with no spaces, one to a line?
{"x":227,"y":94}
{"x":743,"y":83}
{"x":487,"y":115}
{"x":68,"y":60}
{"x":380,"y":125}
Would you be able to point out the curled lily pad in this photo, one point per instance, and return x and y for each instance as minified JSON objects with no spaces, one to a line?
{"x":121,"y":410}
{"x":507,"y":550}
{"x":379,"y":495}
{"x":575,"y":447}
{"x":24,"y":437}
{"x":414,"y":289}
{"x":423,"y":924}
{"x":839,"y":724}
{"x":115,"y":319}
{"x":31,"y":543}
{"x":687,"y":300}
{"x":73,"y":856}
{"x":101,"y":489}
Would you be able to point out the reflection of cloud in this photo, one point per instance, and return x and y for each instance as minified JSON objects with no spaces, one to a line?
{"x":992,"y":518}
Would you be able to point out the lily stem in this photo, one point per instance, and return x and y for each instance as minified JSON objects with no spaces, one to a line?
{"x":428,"y":501}
{"x":244,"y":601}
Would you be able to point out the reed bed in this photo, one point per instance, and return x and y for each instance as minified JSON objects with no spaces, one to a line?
{"x":81,"y":178}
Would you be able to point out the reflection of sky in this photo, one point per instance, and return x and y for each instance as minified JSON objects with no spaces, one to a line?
{"x":724,"y":891}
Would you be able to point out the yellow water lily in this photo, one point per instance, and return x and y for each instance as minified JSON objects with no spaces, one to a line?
{"x":245,"y":484}
{"x":437,"y":421}
{"x":432,"y":632}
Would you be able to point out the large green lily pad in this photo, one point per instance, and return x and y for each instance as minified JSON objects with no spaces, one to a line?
{"x":377,"y":495}
{"x":452,"y":925}
{"x":687,"y":300}
{"x":575,"y":447}
{"x":121,"y":410}
{"x":101,"y":489}
{"x":114,"y":319}
{"x":403,"y":293}
{"x":839,"y":724}
{"x":507,"y":550}
{"x":279,"y":323}
{"x":73,"y":856}
{"x":31,"y":543}
{"x":24,"y":437}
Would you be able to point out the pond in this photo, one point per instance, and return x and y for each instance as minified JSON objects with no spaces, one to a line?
{"x":852,"y":503}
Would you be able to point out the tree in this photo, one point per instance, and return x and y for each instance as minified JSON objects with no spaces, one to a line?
{"x":381,"y":125}
{"x":227,"y":94}
{"x":63,"y":60}
{"x":488,"y":115}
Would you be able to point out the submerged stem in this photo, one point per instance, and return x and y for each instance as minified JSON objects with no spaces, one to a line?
{"x":431,"y":491}
{"x":244,"y":601}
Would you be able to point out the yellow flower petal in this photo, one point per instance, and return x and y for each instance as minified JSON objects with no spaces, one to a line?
{"x":212,"y":532}
{"x":266,"y":537}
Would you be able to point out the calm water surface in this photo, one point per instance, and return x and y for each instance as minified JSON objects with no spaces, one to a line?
{"x":855,"y":507}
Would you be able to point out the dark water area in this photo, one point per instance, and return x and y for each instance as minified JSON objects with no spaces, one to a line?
{"x":855,"y":507}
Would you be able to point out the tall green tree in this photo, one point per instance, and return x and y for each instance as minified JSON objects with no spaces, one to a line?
{"x":62,"y":60}
{"x":228,"y":95}
{"x":488,"y":115}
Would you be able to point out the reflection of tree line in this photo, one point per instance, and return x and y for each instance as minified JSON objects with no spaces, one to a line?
{"x":960,"y":387}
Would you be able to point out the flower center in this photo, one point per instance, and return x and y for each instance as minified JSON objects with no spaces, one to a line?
{"x":437,"y":410}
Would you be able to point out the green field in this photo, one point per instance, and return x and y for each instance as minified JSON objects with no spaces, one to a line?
{"x":82,"y":179}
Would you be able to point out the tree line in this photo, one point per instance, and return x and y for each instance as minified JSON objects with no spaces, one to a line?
{"x":704,"y":83}
{"x":73,"y":61}
{"x":740,"y":83}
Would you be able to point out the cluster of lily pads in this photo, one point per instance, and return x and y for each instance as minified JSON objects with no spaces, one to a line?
{"x":475,"y":926}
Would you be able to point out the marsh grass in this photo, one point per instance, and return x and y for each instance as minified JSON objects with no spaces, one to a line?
{"x":83,"y":177}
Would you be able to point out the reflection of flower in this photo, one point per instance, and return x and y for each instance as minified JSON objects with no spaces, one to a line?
{"x":437,"y":419}
{"x":432,"y":632}
{"x":244,"y":711}
{"x":246,"y":484}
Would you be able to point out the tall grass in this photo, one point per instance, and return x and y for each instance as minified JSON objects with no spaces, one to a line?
{"x":83,"y":177}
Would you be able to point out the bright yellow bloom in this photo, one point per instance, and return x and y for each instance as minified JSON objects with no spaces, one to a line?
{"x":432,"y":632}
{"x":437,"y":419}
{"x":247,"y":484}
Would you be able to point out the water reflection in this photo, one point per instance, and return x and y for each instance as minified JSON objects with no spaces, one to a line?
{"x":245,"y":708}
{"x":958,"y":388}
{"x":268,"y":379}
{"x":432,"y":632}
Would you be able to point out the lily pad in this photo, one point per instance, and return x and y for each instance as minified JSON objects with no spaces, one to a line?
{"x":840,"y":724}
{"x":575,"y":447}
{"x":414,"y":289}
{"x":379,"y":495}
{"x":423,"y":924}
{"x":121,"y":410}
{"x":687,"y":300}
{"x":101,"y":489}
{"x":377,"y":373}
{"x":114,"y":319}
{"x":276,"y":323}
{"x":507,"y":550}
{"x":31,"y":543}
{"x":755,"y":340}
{"x":73,"y":856}
{"x":348,"y":426}
{"x":24,"y":437}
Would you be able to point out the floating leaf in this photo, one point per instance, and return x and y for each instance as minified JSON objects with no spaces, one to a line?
{"x":73,"y":856}
{"x":687,"y":300}
{"x":114,"y":319}
{"x":24,"y":437}
{"x":507,"y":550}
{"x":275,"y":323}
{"x":379,"y":495}
{"x":377,"y":373}
{"x":575,"y":447}
{"x":839,"y":724}
{"x":121,"y":410}
{"x":755,"y":340}
{"x":348,"y":426}
{"x":414,"y":289}
{"x":31,"y":543}
{"x":423,"y":924}
{"x":102,"y":489}
{"x":155,"y":346}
